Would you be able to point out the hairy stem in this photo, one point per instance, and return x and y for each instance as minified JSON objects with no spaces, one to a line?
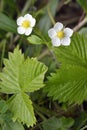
{"x":82,"y":23}
{"x":83,"y":128}
{"x":50,"y":15}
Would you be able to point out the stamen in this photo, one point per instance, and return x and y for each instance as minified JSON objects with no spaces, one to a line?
{"x":26,"y":24}
{"x":60,"y":34}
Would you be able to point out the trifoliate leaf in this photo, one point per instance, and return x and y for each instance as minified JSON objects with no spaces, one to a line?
{"x":21,"y":75}
{"x":69,"y":83}
{"x":21,"y":107}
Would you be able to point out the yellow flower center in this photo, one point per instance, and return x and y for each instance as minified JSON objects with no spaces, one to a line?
{"x":60,"y":34}
{"x":26,"y":24}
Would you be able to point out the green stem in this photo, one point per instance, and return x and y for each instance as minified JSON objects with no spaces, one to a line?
{"x":43,"y":110}
{"x":43,"y":117}
{"x":26,"y":6}
{"x":50,"y":15}
{"x":21,"y":40}
{"x":46,"y":52}
{"x":1,"y":5}
{"x":3,"y":52}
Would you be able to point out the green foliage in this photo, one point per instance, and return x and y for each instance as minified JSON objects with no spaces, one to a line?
{"x":80,"y":121}
{"x":21,"y":75}
{"x":83,"y":4}
{"x":7,"y":24}
{"x":3,"y":106}
{"x":69,"y":83}
{"x":8,"y":124}
{"x":24,"y":109}
{"x":55,"y":123}
{"x":35,"y":39}
{"x":75,"y":54}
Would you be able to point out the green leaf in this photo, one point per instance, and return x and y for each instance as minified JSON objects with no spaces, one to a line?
{"x":10,"y":74}
{"x":3,"y":106}
{"x":57,"y":123}
{"x":80,"y":121}
{"x":12,"y":126}
{"x":31,"y":75}
{"x":24,"y":109}
{"x":21,"y":75}
{"x":45,"y":22}
{"x":8,"y":124}
{"x":83,"y":4}
{"x":69,"y":83}
{"x":7,"y":24}
{"x":75,"y":53}
{"x":33,"y":39}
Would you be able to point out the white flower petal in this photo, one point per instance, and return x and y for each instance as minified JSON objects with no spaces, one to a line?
{"x":20,"y":20}
{"x":68,"y":32}
{"x":24,"y":29}
{"x":65,"y":41}
{"x":58,"y":26}
{"x":56,"y":41}
{"x":51,"y":33}
{"x":28,"y":17}
{"x":28,"y":31}
{"x":21,"y":30}
{"x":32,"y":21}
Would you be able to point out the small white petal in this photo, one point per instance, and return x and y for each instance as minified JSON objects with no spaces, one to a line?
{"x":32,"y":21}
{"x":51,"y":33}
{"x":58,"y":26}
{"x":28,"y":17}
{"x":68,"y":32}
{"x":20,"y":20}
{"x":65,"y":41}
{"x":28,"y":31}
{"x":21,"y":30}
{"x":56,"y":41}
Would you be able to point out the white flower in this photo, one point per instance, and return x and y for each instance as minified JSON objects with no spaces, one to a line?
{"x":60,"y":35}
{"x":25,"y":24}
